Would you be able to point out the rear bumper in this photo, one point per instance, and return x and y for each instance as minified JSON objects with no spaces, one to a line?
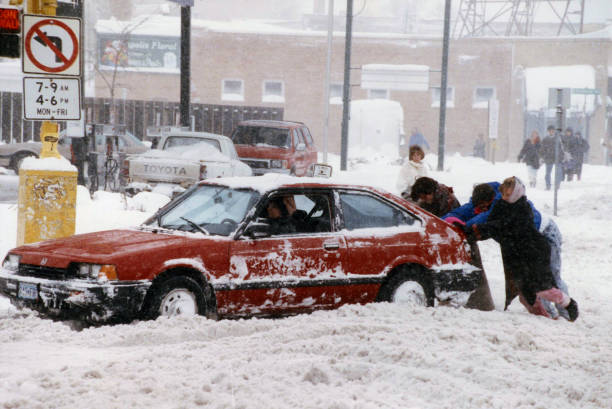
{"x":77,"y":299}
{"x":455,"y":286}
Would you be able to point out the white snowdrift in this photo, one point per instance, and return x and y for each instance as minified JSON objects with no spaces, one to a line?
{"x":374,"y":356}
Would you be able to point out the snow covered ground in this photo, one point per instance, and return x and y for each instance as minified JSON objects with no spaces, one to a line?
{"x":373,"y":356}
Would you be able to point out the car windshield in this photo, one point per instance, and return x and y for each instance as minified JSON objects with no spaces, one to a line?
{"x":174,"y":141}
{"x":209,"y":209}
{"x":261,"y":136}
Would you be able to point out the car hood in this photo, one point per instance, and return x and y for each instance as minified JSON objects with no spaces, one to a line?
{"x":98,"y":247}
{"x":262,"y":151}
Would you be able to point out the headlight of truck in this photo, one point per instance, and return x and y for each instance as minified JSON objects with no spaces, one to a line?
{"x":100,"y":272}
{"x":277,"y":163}
{"x":11,"y":262}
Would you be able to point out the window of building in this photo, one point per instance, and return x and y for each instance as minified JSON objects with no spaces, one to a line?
{"x":450,"y":97}
{"x":232,"y":90}
{"x":273,"y":91}
{"x":482,"y":95}
{"x":335,"y":93}
{"x":378,"y":94}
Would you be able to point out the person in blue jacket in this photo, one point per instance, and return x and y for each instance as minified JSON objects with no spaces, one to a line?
{"x":477,"y":210}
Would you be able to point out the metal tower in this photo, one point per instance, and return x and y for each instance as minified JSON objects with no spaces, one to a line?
{"x":477,"y":18}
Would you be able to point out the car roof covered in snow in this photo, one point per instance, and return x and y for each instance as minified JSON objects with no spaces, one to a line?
{"x":273,"y":181}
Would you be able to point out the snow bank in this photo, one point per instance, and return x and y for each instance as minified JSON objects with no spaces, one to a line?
{"x":373,"y":356}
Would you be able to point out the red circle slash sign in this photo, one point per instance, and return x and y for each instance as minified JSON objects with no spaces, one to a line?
{"x":67,"y":61}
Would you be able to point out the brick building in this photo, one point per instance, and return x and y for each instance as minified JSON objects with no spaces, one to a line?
{"x":269,"y":66}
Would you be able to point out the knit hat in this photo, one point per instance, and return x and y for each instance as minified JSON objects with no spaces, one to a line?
{"x":518,"y":192}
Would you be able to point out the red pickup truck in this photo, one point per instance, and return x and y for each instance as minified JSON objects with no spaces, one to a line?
{"x":275,"y":146}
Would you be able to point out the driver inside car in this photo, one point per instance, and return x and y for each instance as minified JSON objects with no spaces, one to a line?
{"x":283,"y":215}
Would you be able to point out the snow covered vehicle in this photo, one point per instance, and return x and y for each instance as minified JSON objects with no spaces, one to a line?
{"x":275,"y":146}
{"x":184,"y":158}
{"x":222,"y":250}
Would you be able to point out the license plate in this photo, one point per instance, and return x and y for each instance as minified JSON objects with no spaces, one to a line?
{"x":28,"y":291}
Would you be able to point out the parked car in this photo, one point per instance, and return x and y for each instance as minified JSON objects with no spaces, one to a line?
{"x":185,"y":158}
{"x":275,"y":146}
{"x":12,"y":154}
{"x":218,"y":251}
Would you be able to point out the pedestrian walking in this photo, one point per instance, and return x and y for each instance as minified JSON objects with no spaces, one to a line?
{"x":530,"y":154}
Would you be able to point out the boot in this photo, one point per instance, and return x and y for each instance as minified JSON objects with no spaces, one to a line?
{"x":572,"y":310}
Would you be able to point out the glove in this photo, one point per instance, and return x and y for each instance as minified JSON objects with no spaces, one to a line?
{"x":469,"y":232}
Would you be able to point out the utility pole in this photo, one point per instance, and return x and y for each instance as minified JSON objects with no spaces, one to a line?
{"x":330,"y":32}
{"x":185,"y":62}
{"x":347,"y":85}
{"x":560,"y":117}
{"x":443,"y":85}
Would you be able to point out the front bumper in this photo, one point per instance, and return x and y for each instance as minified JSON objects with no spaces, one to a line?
{"x":113,"y":301}
{"x":260,"y":171}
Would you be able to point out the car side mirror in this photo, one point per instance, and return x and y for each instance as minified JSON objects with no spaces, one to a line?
{"x":257,"y":229}
{"x":300,"y":146}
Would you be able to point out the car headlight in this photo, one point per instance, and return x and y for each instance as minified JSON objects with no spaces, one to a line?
{"x":100,"y":272}
{"x":277,"y":163}
{"x":11,"y":262}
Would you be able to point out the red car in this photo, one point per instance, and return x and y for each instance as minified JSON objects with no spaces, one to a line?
{"x":275,"y":146}
{"x":250,"y":246}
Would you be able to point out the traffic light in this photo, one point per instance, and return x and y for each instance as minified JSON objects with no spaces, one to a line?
{"x":10,"y":29}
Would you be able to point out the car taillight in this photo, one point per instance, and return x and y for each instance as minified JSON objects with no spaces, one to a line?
{"x":202,"y":172}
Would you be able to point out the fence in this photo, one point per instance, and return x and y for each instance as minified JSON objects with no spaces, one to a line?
{"x":137,"y":115}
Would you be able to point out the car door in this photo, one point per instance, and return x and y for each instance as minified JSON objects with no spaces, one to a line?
{"x":311,"y":156}
{"x":291,"y":272}
{"x":300,"y":152}
{"x":378,"y":233}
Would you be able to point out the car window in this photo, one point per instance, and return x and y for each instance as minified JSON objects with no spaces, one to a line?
{"x":216,"y":209}
{"x":312,"y":213}
{"x":307,"y":136}
{"x":261,"y":136}
{"x":174,"y":141}
{"x":364,"y":211}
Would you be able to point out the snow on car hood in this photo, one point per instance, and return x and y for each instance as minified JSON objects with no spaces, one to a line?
{"x":195,"y":152}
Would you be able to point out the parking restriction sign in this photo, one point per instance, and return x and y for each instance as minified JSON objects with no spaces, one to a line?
{"x":48,"y":98}
{"x":51,"y":45}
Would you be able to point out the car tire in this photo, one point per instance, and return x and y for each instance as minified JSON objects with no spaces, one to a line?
{"x":178,"y":295}
{"x":409,"y":285}
{"x":17,"y":159}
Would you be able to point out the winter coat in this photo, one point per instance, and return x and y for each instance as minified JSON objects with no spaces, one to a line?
{"x":467,"y":214}
{"x":444,"y":201}
{"x":410,"y":172}
{"x":530,"y":154}
{"x":547,"y":150}
{"x":579,"y":147}
{"x":525,"y":251}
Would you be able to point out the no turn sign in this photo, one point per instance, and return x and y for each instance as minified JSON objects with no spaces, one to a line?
{"x":51,"y":45}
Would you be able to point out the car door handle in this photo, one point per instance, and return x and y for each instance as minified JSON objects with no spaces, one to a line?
{"x":331,"y":246}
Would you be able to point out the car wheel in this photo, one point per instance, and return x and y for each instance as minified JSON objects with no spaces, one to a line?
{"x":17,"y":160}
{"x":408,"y":286}
{"x":179,"y":295}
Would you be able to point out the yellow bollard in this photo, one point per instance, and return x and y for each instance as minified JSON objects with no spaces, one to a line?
{"x":47,"y":193}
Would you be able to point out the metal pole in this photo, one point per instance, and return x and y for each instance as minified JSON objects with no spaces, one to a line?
{"x":447,"y":8}
{"x":185,"y":60}
{"x":558,"y":145}
{"x":347,"y":85}
{"x":330,"y":32}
